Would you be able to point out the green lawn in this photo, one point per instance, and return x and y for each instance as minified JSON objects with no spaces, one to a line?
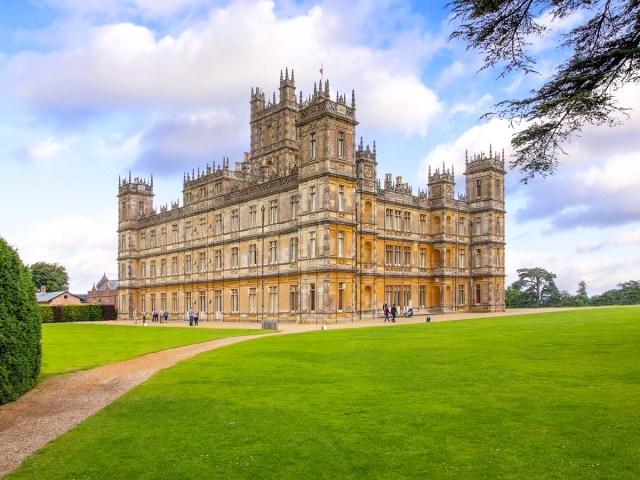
{"x":69,"y":347}
{"x":548,"y":396}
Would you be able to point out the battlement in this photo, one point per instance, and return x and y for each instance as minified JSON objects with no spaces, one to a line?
{"x":135,"y":185}
{"x":480,"y":162}
{"x":366,"y":153}
{"x":441,"y":176}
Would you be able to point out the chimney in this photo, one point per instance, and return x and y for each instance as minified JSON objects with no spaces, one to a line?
{"x":43,"y":289}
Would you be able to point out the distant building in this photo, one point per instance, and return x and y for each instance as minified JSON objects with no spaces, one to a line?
{"x":57,"y":298}
{"x":302,"y":230}
{"x":105,"y":292}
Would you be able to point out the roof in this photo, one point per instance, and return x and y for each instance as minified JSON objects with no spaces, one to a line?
{"x":106,"y":284}
{"x":48,"y":296}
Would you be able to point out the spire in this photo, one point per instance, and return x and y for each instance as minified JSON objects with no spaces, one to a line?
{"x":129,"y":176}
{"x":281,"y":78}
{"x":490,"y":151}
{"x":292,"y":77}
{"x":361,"y":144}
{"x":374,"y":148}
{"x":353,"y":99}
{"x":152,"y":180}
{"x":466,"y":157}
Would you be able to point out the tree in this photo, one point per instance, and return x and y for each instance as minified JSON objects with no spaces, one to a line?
{"x":52,"y":275}
{"x":604,"y":56}
{"x":627,"y":293}
{"x":539,"y":286}
{"x":582,"y":298}
{"x":20,"y":327}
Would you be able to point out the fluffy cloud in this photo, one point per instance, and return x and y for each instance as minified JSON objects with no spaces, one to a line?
{"x":47,"y":152}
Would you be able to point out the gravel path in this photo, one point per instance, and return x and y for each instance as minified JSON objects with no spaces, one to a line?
{"x":59,"y":403}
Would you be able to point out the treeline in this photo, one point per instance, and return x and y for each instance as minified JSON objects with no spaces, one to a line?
{"x":536,"y":288}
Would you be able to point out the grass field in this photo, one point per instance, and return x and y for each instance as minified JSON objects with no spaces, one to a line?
{"x":549,"y":396}
{"x":68,"y":347}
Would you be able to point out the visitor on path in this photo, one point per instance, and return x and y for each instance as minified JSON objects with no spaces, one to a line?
{"x":154,"y":316}
{"x":135,"y":315}
{"x":195,"y":318}
{"x":144,"y":317}
{"x":394,"y":312}
{"x":385,"y":310}
{"x":190,"y":314}
{"x":166,"y":316}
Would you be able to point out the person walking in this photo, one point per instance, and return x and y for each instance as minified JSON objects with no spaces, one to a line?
{"x":135,"y":315}
{"x":166,"y":316}
{"x":385,"y":310}
{"x":394,"y":312}
{"x":195,"y":318}
{"x":190,"y":314}
{"x":144,"y":318}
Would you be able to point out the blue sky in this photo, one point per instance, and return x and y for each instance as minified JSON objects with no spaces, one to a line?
{"x":92,"y":90}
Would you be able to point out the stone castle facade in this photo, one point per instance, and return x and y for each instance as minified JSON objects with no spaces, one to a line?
{"x":303,"y":231}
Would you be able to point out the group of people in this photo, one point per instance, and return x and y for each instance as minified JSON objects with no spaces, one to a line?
{"x":393,"y":311}
{"x":193,"y":317}
{"x":155,"y":316}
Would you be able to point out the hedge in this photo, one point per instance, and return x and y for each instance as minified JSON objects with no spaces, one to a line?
{"x":77,"y":313}
{"x":20,"y":327}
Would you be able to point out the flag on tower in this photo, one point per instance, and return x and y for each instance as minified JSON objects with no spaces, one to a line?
{"x":322,"y":69}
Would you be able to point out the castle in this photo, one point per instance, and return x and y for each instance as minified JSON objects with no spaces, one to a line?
{"x":303,"y":231}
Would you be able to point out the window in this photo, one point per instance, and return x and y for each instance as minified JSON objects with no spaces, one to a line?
{"x":312,"y":297}
{"x":140,"y":209}
{"x":312,"y":199}
{"x":217,"y":256}
{"x":163,"y":267}
{"x":293,"y":249}
{"x":124,"y":272}
{"x":478,"y":188}
{"x":312,"y":245}
{"x":143,"y":240}
{"x":217,"y":298}
{"x":398,"y":225}
{"x":163,"y":301}
{"x":461,"y":296}
{"x":397,"y":257}
{"x":313,"y":145}
{"x":234,"y":300}
{"x":153,"y":238}
{"x":253,"y":254}
{"x":153,"y":301}
{"x":187,"y":264}
{"x":163,"y":236}
{"x":174,"y":302}
{"x":388,"y":295}
{"x":273,"y":211}
{"x":388,"y":259}
{"x":203,"y":303}
{"x":202,"y":262}
{"x":187,"y":197}
{"x":407,"y":222}
{"x":174,"y":265}
{"x":478,"y":296}
{"x":340,"y":198}
{"x":423,"y":224}
{"x":396,"y":295}
{"x":294,"y":207}
{"x":253,"y":216}
{"x":217,"y":224}
{"x":341,"y":244}
{"x":461,"y":260}
{"x":478,"y":257}
{"x":407,"y":256}
{"x":253,"y":300}
{"x":143,"y":302}
{"x":187,"y":301}
{"x":406,"y":297}
{"x":388,"y":218}
{"x":187,"y":231}
{"x":235,"y":220}
{"x":341,"y":289}
{"x":174,"y":233}
{"x":423,"y":257}
{"x":273,"y":252}
{"x":422,"y":300}
{"x":234,"y":257}
{"x":273,"y":299}
{"x":143,"y":270}
{"x":203,"y":193}
{"x":478,"y":229}
{"x":293,"y":298}
{"x":340,"y":145}
{"x":152,"y":268}
{"x":217,"y":188}
{"x":203,"y":227}
{"x":461,"y":227}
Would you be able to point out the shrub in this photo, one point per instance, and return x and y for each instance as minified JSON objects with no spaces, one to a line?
{"x":20,"y":328}
{"x":77,"y":313}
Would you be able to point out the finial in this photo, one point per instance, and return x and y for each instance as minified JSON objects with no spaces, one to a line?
{"x":119,"y":181}
{"x":503,"y":155}
{"x":281,"y":75}
{"x":326,"y":87}
{"x":315,"y":89}
{"x":452,"y":172}
{"x":152,"y":179}
{"x":374,"y":147}
{"x":489,"y":150}
{"x":274,"y":98}
{"x":300,"y":97}
{"x":129,"y":176}
{"x":252,"y":91}
{"x":466,"y":157}
{"x":429,"y":171}
{"x":353,"y":99}
{"x":292,"y":76}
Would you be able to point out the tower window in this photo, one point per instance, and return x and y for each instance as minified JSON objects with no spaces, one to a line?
{"x":313,"y":145}
{"x":341,"y":145}
{"x":478,"y":188}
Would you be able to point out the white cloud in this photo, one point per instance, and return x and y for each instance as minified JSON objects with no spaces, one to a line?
{"x":47,"y":152}
{"x":84,"y":245}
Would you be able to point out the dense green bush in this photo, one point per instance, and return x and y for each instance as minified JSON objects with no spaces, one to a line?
{"x":20,"y":328}
{"x":77,"y":313}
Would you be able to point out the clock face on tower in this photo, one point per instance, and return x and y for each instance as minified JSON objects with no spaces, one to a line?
{"x":436,"y":190}
{"x":368,"y":171}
